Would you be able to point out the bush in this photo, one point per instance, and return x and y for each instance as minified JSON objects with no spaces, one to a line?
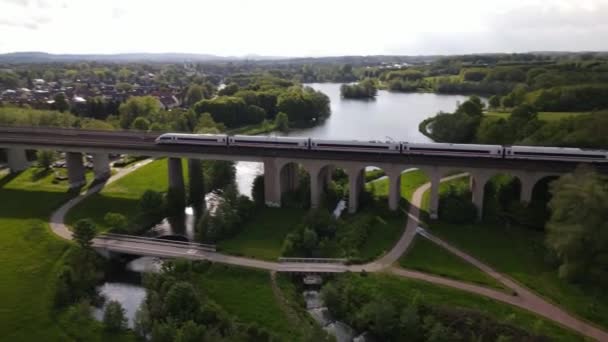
{"x":114,"y":318}
{"x":455,"y":207}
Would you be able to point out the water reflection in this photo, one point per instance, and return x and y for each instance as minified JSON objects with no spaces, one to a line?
{"x":184,"y":226}
{"x":124,"y":286}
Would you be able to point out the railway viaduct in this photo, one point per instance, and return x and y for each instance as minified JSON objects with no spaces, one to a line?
{"x":281,"y":167}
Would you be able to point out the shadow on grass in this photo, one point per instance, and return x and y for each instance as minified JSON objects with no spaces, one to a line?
{"x":8,"y":178}
{"x":24,"y":204}
{"x":40,"y":174}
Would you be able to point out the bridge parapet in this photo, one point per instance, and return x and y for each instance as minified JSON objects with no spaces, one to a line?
{"x":157,"y":241}
{"x":340,"y":261}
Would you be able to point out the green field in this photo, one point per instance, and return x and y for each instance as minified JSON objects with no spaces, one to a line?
{"x":401,"y":289}
{"x":30,"y":256}
{"x":544,"y":116}
{"x":410,"y":181}
{"x":262,"y":236}
{"x":383,"y":235}
{"x":122,"y":196}
{"x":520,"y":253}
{"x":247,"y":294}
{"x":426,"y":256}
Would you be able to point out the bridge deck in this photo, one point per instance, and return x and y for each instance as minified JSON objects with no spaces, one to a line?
{"x":143,"y":144}
{"x":144,"y":247}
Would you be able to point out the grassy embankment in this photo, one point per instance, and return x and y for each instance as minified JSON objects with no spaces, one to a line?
{"x":424,"y":255}
{"x":30,"y":257}
{"x":263,"y":235}
{"x":247,"y":294}
{"x":520,"y":253}
{"x":122,"y":196}
{"x":405,"y":290}
{"x":544,"y":116}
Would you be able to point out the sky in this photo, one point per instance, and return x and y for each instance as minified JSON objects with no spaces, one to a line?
{"x":303,"y":27}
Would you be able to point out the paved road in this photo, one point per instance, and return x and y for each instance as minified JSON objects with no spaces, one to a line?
{"x":525,"y":298}
{"x":57,"y":218}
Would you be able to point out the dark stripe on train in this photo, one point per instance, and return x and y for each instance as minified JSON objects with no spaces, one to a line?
{"x":348,"y":146}
{"x":198,"y":139}
{"x":164,"y":138}
{"x":447,"y":150}
{"x":267,"y":142}
{"x":593,"y":156}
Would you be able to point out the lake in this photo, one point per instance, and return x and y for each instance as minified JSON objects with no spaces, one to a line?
{"x":391,"y":116}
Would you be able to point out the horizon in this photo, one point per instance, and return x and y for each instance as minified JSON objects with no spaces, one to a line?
{"x":312,"y":29}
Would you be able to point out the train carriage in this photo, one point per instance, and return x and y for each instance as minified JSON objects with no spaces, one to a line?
{"x":269,"y":141}
{"x":355,"y":146}
{"x":193,"y":139}
{"x":453,"y":150}
{"x":555,"y":153}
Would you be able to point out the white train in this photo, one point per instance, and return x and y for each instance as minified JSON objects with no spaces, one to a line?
{"x":385,"y":147}
{"x":485,"y":151}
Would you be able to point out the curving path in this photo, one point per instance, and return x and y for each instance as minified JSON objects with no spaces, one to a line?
{"x":57,"y":218}
{"x":524,"y":298}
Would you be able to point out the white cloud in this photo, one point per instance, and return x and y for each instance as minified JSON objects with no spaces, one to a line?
{"x":296,"y":28}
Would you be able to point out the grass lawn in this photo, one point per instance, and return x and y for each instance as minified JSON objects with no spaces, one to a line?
{"x":426,"y":256}
{"x":247,"y":294}
{"x":30,"y":256}
{"x":123,"y":195}
{"x":520,"y":253}
{"x":401,"y":289}
{"x":410,"y":181}
{"x":383,"y":235}
{"x":263,"y":235}
{"x":544,"y":116}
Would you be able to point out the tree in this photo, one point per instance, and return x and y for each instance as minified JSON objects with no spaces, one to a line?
{"x":190,"y":332}
{"x":282,"y":122}
{"x":194,"y":94}
{"x":182,"y":302}
{"x":61,"y":103}
{"x":116,"y":222}
{"x":257,"y":191}
{"x":84,"y":232}
{"x":151,"y":208}
{"x":45,"y":158}
{"x":576,"y":231}
{"x":114,"y":318}
{"x":494,"y":101}
{"x":137,"y":106}
{"x":140,"y":124}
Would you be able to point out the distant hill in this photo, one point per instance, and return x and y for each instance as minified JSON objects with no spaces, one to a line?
{"x":43,"y":57}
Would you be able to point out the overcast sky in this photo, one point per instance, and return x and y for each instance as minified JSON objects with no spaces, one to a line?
{"x":303,"y":27}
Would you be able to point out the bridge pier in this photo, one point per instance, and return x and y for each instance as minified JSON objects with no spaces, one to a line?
{"x":356,"y":184}
{"x":272,"y":185}
{"x":478,"y":183}
{"x":17,"y":159}
{"x":197,"y":188}
{"x":176,"y":174}
{"x":290,"y":180}
{"x":394,"y":188}
{"x":101,"y":166}
{"x":316,"y":188}
{"x":76,"y":170}
{"x":434,"y":201}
